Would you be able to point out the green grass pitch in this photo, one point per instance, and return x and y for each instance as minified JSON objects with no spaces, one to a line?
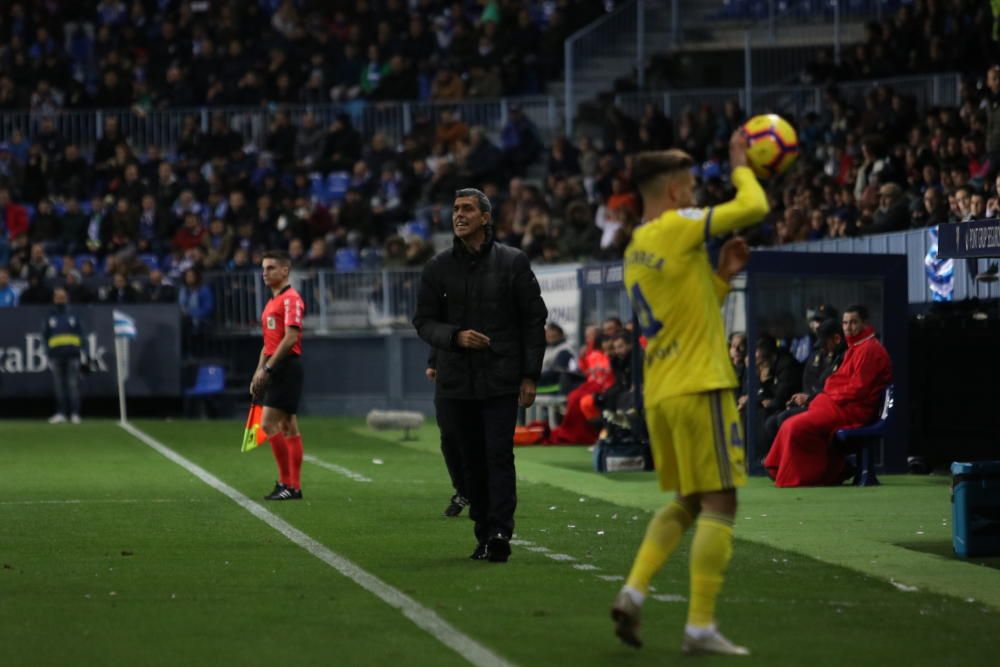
{"x":111,"y":554}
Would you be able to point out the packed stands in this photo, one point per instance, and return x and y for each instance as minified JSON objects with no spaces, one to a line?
{"x":212,"y":194}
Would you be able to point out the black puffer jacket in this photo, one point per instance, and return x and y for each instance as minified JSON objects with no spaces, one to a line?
{"x":494,"y":292}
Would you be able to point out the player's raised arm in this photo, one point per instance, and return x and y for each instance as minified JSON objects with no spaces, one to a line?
{"x":749,"y":206}
{"x":732,"y":259}
{"x":665,"y":181}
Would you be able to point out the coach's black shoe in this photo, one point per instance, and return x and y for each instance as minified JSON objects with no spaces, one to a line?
{"x":455,"y":507}
{"x":278,"y":488}
{"x":480,"y":552}
{"x":498,"y":548}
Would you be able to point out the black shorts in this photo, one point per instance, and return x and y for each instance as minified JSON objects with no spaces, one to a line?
{"x":284,"y":386}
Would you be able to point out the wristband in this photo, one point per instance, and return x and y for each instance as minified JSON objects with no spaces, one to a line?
{"x":267,"y":369}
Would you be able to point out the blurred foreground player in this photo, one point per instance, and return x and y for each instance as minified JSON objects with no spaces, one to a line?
{"x":691,"y":414}
{"x":277,"y":382}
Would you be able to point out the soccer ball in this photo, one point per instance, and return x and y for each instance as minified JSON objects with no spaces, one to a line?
{"x":774,"y":145}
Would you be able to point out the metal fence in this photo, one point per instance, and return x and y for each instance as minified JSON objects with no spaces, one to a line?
{"x":388,"y":298}
{"x":394,"y":119}
{"x":796,"y":101}
{"x":163,"y":128}
{"x":777,"y":13}
{"x":334,"y":301}
{"x":616,"y":43}
{"x":780,"y":39}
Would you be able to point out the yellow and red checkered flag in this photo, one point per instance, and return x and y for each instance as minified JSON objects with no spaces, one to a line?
{"x":253,"y":433}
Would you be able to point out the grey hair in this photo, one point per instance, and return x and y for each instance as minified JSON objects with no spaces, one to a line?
{"x":482,"y":201}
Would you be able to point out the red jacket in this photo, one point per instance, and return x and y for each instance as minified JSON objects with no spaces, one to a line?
{"x":185,"y":240}
{"x":16,"y":220}
{"x":864,"y":373}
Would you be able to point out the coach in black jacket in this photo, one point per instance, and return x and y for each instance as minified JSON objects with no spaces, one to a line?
{"x":481,"y":308}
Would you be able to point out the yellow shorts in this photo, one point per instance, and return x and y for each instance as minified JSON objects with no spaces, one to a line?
{"x":697,"y":442}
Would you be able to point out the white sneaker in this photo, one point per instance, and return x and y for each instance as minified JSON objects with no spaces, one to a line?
{"x":626,"y":613}
{"x":75,"y":419}
{"x":58,"y":418}
{"x":710,"y":642}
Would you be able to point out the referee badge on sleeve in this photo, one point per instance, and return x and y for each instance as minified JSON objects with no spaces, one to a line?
{"x":272,"y":323}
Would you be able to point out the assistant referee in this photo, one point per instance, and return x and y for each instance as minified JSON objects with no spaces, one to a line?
{"x":277,"y":382}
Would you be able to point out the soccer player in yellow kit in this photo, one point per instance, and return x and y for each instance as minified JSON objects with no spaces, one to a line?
{"x":691,"y":414}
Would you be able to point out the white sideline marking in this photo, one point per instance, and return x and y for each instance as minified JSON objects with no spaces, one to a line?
{"x":589,"y":567}
{"x":97,"y":500}
{"x":340,"y":470}
{"x":422,"y":617}
{"x":561,"y":557}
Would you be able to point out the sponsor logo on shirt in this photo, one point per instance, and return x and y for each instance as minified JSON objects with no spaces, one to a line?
{"x":272,"y":323}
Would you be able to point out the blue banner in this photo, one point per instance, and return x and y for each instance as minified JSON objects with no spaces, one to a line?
{"x":980,"y":238}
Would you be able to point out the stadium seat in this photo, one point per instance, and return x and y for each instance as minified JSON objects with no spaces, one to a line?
{"x":551,"y":406}
{"x":83,"y":256}
{"x":346,"y":260}
{"x":864,"y":439}
{"x":418,"y":228}
{"x":151,"y":261}
{"x":210,"y":381}
{"x":336,"y":186}
{"x":317,"y":190}
{"x":203,"y":397}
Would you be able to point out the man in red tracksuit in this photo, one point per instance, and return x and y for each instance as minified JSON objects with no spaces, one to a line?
{"x":801,"y":454}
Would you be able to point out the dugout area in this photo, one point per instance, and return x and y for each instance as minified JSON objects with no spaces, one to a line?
{"x":782,"y":285}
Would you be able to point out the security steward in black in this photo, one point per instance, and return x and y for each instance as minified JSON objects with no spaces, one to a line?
{"x":825,"y":358}
{"x":64,"y":342}
{"x":481,"y":308}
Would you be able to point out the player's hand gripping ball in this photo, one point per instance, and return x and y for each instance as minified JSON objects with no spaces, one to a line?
{"x":774,"y":144}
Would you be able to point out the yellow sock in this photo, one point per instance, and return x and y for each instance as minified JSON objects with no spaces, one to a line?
{"x":662,"y":536}
{"x":711,"y":551}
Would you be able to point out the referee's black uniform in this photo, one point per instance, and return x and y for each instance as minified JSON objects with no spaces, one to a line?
{"x":492,"y":291}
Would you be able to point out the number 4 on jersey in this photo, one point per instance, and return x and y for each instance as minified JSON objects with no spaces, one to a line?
{"x":734,"y":435}
{"x":648,"y":324}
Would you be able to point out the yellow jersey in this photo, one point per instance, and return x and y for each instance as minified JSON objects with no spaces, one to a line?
{"x":676,"y":294}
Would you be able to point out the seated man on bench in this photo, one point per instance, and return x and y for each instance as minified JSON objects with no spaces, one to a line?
{"x":802,"y":454}
{"x":825,"y":359}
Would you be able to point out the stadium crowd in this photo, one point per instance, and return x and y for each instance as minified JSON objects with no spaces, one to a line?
{"x":120,"y":223}
{"x":171,"y":54}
